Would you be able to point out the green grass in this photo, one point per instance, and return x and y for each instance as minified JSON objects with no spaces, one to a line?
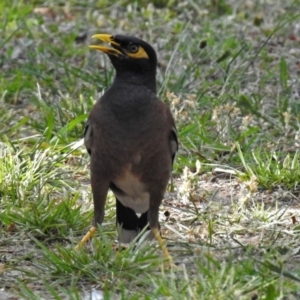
{"x":229,"y":72}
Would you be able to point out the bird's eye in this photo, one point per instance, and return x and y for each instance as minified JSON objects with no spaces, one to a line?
{"x":133,"y":48}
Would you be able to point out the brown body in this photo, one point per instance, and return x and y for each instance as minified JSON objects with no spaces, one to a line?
{"x":131,"y":138}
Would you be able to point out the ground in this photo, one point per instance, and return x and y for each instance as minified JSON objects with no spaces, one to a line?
{"x":229,"y":70}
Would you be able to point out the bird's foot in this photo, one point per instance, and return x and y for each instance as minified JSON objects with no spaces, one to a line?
{"x":86,"y":238}
{"x":168,"y":260}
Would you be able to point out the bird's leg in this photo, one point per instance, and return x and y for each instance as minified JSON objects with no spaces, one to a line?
{"x":86,"y":238}
{"x":99,"y":188}
{"x":162,"y":245}
{"x":154,"y":225}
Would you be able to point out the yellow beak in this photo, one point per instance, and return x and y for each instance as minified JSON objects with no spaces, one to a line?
{"x":108,"y":39}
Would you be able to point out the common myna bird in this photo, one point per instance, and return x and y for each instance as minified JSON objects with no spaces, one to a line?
{"x":131,"y":138}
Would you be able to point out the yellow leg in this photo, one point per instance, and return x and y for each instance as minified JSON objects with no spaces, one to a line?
{"x":87,"y":237}
{"x":163,"y":246}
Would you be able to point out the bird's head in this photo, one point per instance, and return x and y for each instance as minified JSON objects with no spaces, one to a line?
{"x":129,"y":55}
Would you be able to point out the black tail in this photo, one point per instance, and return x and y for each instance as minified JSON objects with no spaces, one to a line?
{"x":128,"y":223}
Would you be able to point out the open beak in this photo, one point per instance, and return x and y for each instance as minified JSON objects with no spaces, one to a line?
{"x":114,"y":50}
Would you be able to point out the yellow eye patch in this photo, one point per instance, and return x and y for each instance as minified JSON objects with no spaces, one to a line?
{"x":141,"y":53}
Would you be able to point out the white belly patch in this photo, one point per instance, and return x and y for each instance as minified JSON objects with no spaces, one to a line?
{"x":135,"y":195}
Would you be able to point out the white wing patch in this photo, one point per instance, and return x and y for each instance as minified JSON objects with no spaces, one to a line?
{"x":88,"y":137}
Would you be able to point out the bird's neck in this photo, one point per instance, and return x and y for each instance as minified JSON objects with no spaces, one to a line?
{"x":128,"y":78}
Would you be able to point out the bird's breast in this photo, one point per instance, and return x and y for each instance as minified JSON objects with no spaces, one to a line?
{"x":131,"y":191}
